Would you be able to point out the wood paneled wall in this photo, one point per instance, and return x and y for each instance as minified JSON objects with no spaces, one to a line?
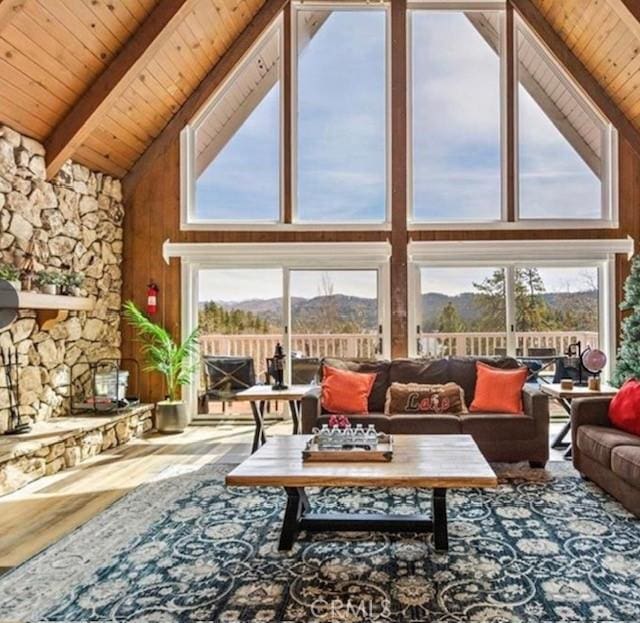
{"x":152,"y":215}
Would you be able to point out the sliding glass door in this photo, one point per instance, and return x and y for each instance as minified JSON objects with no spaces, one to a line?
{"x":334,"y":313}
{"x":532,"y":309}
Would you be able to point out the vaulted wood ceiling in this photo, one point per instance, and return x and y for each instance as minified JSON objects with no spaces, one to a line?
{"x":54,"y":55}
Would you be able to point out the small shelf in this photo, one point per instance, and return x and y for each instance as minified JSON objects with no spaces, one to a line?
{"x":36,"y":300}
{"x":53,"y":308}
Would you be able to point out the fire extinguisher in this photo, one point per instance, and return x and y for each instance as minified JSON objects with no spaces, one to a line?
{"x":152,"y":298}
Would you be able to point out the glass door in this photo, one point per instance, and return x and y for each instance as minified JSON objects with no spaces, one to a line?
{"x":241,"y":319}
{"x":462,"y":311}
{"x":555,"y":307}
{"x":334,"y":313}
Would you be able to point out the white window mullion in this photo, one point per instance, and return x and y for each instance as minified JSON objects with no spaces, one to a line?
{"x":510,"y":309}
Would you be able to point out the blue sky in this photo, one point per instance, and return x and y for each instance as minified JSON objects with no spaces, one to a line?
{"x":341,"y":134}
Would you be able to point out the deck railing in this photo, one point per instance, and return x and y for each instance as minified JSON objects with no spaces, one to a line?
{"x":363,"y":345}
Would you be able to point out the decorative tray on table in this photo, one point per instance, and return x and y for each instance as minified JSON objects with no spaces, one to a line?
{"x":354,"y":451}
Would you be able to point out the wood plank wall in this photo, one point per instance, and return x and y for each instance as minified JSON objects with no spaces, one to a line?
{"x":152,"y":215}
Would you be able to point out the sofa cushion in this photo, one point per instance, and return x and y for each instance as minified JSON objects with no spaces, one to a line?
{"x":416,"y":398}
{"x":378,"y":393}
{"x":498,"y":426}
{"x":624,"y":408}
{"x":597,"y":442}
{"x":625,"y":462}
{"x":424,"y":424}
{"x":498,"y":391}
{"x":423,"y":371}
{"x":379,"y":420}
{"x":344,"y":391}
{"x":462,"y":371}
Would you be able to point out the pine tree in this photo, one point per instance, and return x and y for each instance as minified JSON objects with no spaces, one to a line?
{"x":628,"y":361}
{"x":450,"y":320}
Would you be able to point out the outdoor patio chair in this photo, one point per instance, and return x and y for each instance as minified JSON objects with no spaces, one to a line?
{"x":225,"y":377}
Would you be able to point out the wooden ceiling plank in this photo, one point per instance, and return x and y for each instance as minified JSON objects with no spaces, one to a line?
{"x":108,"y":149}
{"x":8,"y":10}
{"x":97,"y":162}
{"x":21,"y":119}
{"x":88,"y":111}
{"x":577,"y":70}
{"x":269,"y":11}
{"x":125,"y":135}
{"x":38,"y":63}
{"x":76,"y":32}
{"x":214,"y":25}
{"x":172,"y":86}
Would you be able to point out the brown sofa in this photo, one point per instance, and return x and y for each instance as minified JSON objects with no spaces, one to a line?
{"x":500,"y":437}
{"x":606,"y":455}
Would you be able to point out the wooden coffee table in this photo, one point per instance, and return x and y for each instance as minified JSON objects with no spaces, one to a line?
{"x":437,"y":462}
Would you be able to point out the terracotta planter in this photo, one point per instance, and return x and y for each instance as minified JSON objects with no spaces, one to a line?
{"x":171,"y":417}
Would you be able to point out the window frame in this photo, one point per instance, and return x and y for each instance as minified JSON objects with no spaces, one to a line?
{"x":300,"y":6}
{"x":609,"y":218}
{"x":511,"y":254}
{"x":195,"y":256}
{"x":188,"y":180}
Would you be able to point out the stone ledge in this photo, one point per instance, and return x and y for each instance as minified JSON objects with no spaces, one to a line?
{"x":66,"y":441}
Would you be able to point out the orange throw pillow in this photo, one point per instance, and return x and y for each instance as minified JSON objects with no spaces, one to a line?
{"x":497,"y":390}
{"x":344,"y":391}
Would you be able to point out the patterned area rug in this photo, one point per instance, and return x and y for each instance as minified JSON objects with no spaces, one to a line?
{"x":545,"y":546}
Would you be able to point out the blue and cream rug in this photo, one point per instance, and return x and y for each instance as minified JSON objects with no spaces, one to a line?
{"x":545,"y":546}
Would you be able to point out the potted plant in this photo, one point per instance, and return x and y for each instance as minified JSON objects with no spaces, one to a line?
{"x":49,"y":281}
{"x":72,"y":282}
{"x":175,"y":362}
{"x":10,"y":273}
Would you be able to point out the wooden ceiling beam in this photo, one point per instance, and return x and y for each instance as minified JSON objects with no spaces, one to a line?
{"x":218,"y":74}
{"x":89,"y":110}
{"x":8,"y":10}
{"x":572,"y":64}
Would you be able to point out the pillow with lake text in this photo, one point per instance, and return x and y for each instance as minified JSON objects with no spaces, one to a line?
{"x":418,"y":398}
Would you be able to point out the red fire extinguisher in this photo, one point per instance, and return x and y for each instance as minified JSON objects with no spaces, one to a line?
{"x":152,"y":298}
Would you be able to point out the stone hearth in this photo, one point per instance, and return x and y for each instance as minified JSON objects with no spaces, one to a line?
{"x":64,"y":442}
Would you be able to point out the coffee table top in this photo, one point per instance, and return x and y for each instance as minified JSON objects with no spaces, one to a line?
{"x":266,"y":392}
{"x":555,"y":391}
{"x":430,"y":461}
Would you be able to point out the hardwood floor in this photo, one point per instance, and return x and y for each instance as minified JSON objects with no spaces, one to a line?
{"x":46,"y":510}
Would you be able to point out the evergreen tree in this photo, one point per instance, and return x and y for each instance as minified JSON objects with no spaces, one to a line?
{"x":450,"y":320}
{"x":628,"y":361}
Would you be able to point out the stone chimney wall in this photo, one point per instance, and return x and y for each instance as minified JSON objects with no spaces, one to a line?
{"x":75,"y":222}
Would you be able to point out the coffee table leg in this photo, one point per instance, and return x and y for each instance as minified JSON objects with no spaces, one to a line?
{"x":439,"y":518}
{"x":297,"y":505}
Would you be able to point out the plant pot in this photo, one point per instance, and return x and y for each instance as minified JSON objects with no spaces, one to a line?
{"x":17,"y":286}
{"x":171,"y":417}
{"x":49,"y":288}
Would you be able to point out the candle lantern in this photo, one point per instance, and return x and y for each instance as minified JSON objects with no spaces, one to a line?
{"x":278,"y":367}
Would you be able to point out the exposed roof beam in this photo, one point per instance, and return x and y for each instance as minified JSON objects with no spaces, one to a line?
{"x":8,"y":10}
{"x":577,"y":70}
{"x":263,"y":18}
{"x":89,"y":110}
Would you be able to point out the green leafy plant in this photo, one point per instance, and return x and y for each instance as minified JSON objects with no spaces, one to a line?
{"x":49,"y":277}
{"x":9,"y":272}
{"x":73,"y":280}
{"x":162,"y":354}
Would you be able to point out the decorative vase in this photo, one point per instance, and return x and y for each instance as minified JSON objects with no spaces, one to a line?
{"x":49,"y":288}
{"x":171,"y":417}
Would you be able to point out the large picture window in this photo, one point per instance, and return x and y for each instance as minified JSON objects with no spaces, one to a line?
{"x":236,"y":144}
{"x":564,"y":145}
{"x":455,"y":105}
{"x":341,"y":121}
{"x":498,"y":134}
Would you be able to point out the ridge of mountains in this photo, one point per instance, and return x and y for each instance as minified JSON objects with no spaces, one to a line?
{"x":365,"y":310}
